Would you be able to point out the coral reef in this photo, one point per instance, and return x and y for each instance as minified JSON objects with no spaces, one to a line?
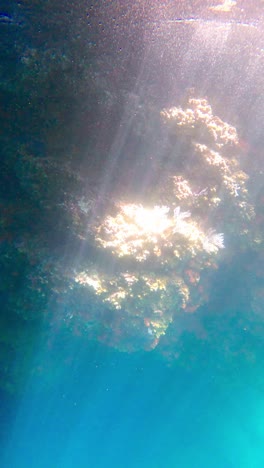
{"x":163,"y":251}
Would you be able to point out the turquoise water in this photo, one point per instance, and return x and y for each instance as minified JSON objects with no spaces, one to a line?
{"x":131,"y":411}
{"x":104,"y":408}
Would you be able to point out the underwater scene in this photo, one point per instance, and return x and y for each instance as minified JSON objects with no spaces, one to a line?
{"x":132,"y":234}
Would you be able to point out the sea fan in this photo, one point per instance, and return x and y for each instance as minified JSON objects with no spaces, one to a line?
{"x":179,"y":217}
{"x":213,"y":241}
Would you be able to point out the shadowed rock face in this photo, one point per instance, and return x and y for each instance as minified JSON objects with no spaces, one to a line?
{"x":98,"y":169}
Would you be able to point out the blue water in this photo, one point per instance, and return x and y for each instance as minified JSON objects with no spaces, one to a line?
{"x":117,"y":410}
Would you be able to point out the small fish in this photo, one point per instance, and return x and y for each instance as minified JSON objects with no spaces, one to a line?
{"x":202,"y":192}
{"x":6,"y":19}
{"x":9,"y":20}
